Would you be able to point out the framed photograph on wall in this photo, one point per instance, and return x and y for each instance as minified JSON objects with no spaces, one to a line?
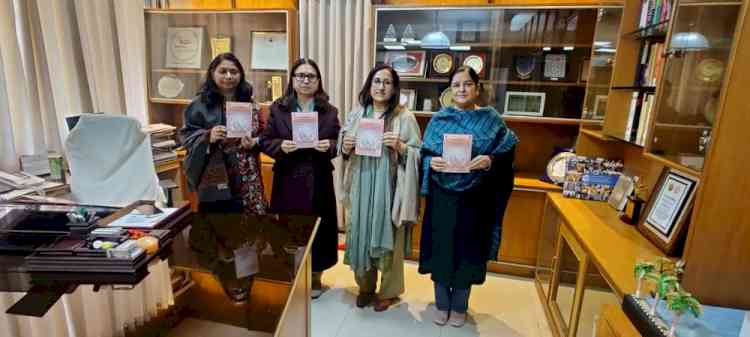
{"x":524,"y":103}
{"x":407,"y":63}
{"x":269,"y":51}
{"x":408,"y":98}
{"x":184,"y":47}
{"x":667,"y":212}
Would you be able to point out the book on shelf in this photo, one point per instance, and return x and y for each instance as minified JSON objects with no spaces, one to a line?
{"x":654,"y":12}
{"x":163,"y":142}
{"x":641,"y":106}
{"x":651,"y":64}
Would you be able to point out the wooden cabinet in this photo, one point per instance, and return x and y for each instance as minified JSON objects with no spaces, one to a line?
{"x":521,"y":223}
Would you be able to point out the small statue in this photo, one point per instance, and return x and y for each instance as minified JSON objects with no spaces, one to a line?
{"x":703,"y":141}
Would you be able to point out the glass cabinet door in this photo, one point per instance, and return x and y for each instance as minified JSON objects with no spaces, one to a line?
{"x":601,"y":63}
{"x":698,"y":54}
{"x":530,"y":61}
{"x":546,"y":249}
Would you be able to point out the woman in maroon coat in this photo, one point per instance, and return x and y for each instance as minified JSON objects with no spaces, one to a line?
{"x":303,"y":178}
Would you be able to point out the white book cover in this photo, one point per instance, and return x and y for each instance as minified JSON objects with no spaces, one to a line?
{"x":239,"y":119}
{"x":305,"y":129}
{"x":184,"y":47}
{"x":457,"y":152}
{"x":370,"y":137}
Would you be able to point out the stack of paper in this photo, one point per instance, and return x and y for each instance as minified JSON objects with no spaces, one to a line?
{"x":163,"y":143}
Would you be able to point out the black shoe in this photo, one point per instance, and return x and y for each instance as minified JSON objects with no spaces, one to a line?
{"x":364,"y":299}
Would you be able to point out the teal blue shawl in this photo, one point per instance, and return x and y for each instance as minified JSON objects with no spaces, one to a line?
{"x":490,"y":137}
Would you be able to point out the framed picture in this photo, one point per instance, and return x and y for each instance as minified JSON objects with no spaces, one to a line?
{"x":524,"y":103}
{"x":583,"y":76}
{"x":554,"y":66}
{"x":600,"y":107}
{"x":468,"y":31}
{"x":408,"y":98}
{"x":667,"y":212}
{"x":407,"y":63}
{"x":269,"y":51}
{"x":184,"y":47}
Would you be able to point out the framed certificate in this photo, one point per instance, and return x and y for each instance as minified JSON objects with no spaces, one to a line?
{"x":184,"y":47}
{"x":668,"y":209}
{"x":270,"y":51}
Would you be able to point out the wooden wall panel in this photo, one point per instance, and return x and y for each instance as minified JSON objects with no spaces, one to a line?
{"x":719,"y":237}
{"x":229,"y":4}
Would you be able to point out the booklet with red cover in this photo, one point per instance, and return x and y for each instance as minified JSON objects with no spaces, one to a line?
{"x":305,"y":129}
{"x":370,"y":137}
{"x":457,"y":152}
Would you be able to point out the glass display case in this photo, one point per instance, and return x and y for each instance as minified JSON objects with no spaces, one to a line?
{"x":181,"y":45}
{"x":699,"y":51}
{"x":532,"y":62}
{"x":601,"y":64}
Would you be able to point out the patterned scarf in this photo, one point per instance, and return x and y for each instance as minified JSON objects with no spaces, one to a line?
{"x":490,"y":137}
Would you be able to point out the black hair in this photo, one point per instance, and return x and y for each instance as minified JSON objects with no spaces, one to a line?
{"x":365,"y":98}
{"x":472,"y":73}
{"x":209,"y":91}
{"x":290,"y":97}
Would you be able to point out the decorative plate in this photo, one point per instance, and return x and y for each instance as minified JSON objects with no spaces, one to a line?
{"x":170,"y":86}
{"x":475,"y":62}
{"x":710,"y":70}
{"x":446,"y":98}
{"x":556,"y":167}
{"x":442,"y":63}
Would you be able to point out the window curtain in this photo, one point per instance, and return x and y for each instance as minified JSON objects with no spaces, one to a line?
{"x":60,"y":58}
{"x":336,"y":34}
{"x":66,"y":57}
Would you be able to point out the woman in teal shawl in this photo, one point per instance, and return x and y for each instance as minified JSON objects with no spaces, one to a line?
{"x":463,"y":210}
{"x":380,"y":193}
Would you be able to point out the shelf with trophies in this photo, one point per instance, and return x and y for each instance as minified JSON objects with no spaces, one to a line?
{"x":531,"y":62}
{"x":182,"y":44}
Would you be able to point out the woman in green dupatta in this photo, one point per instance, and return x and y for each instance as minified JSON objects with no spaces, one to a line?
{"x":380,"y":189}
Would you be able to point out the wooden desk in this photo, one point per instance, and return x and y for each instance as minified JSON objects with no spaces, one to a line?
{"x":613,"y":246}
{"x":602,"y":246}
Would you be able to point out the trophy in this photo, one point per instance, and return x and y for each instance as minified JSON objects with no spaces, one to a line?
{"x":390,"y":34}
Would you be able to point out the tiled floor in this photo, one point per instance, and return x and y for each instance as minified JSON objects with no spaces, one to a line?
{"x":504,"y":306}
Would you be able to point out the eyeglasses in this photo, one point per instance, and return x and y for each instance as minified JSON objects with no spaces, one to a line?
{"x":302,"y":76}
{"x":377,"y":82}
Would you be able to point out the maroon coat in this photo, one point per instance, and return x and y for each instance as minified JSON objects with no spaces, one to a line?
{"x":303,"y":179}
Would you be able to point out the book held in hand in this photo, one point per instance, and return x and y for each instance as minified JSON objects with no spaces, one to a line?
{"x":239,"y":119}
{"x":457,"y":152}
{"x":370,"y":137}
{"x":305,"y":129}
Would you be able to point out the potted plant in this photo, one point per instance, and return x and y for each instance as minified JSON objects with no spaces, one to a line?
{"x":642,"y":269}
{"x":679,"y":302}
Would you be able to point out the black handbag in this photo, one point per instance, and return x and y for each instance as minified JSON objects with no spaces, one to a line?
{"x":214,"y":182}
